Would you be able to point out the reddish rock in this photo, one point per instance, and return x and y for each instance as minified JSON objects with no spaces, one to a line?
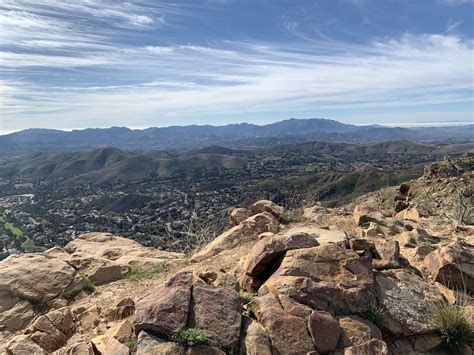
{"x":326,"y":277}
{"x":266,"y":252}
{"x":356,"y":331}
{"x":453,"y":266}
{"x":288,"y":333}
{"x":124,"y":309}
{"x":165,"y":309}
{"x":218,"y":312}
{"x":52,"y":330}
{"x":324,"y":330}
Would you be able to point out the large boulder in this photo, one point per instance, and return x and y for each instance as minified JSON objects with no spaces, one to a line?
{"x":326,"y":277}
{"x":453,"y":266}
{"x":46,"y":280}
{"x":288,"y":333}
{"x":238,"y":215}
{"x":267,"y":206}
{"x":165,"y":309}
{"x":323,"y":235}
{"x":218,"y":312}
{"x":245,"y":232}
{"x":408,"y":302}
{"x":105,"y":345}
{"x":267,"y":252}
{"x":364,"y":214}
{"x":104,"y":258}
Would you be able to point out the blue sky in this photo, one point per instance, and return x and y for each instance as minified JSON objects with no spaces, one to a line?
{"x":98,"y":63}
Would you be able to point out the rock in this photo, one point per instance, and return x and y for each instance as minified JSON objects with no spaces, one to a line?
{"x":122,"y":331}
{"x":288,"y":333}
{"x":294,"y":308}
{"x":364,"y":214}
{"x":106,"y":345}
{"x":326,"y":277}
{"x":52,"y":330}
{"x":124,"y":309}
{"x":245,"y":232}
{"x":408,"y":302}
{"x":45,"y":281}
{"x":218,"y":312}
{"x":17,"y":317}
{"x":412,"y":214}
{"x":256,"y":340}
{"x":387,"y":250}
{"x":371,"y":231}
{"x":81,"y":348}
{"x":356,"y":331}
{"x":165,"y":309}
{"x":372,"y":347}
{"x":266,"y":252}
{"x":361,"y":244}
{"x":267,"y":206}
{"x":23,"y":345}
{"x":238,"y":215}
{"x":323,"y":235}
{"x":448,"y":294}
{"x":324,"y":330}
{"x":401,"y":205}
{"x":103,"y":257}
{"x":418,"y":344}
{"x":415,"y":237}
{"x":313,"y":213}
{"x":88,"y":320}
{"x":203,"y":350}
{"x":453,"y":266}
{"x":148,"y":344}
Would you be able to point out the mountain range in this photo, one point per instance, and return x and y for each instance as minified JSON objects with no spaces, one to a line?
{"x":241,"y":136}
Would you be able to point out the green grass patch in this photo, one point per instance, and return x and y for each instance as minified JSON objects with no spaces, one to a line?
{"x":373,"y":314}
{"x":132,"y":343}
{"x":15,"y":231}
{"x":84,"y":285}
{"x":138,"y":273}
{"x":29,"y":246}
{"x":454,"y":327}
{"x":190,"y":336}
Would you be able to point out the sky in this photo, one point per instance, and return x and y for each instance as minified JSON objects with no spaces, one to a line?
{"x":71,"y":64}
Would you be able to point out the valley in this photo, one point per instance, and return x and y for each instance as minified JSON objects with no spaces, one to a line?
{"x":165,"y":199}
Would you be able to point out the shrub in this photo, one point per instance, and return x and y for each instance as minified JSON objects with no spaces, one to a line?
{"x":374,"y":314}
{"x":138,"y":273}
{"x":132,"y":343}
{"x":84,"y":285}
{"x":190,"y":336}
{"x":454,"y":327}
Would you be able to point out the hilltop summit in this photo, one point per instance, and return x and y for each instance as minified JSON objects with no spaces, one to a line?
{"x":371,"y":277}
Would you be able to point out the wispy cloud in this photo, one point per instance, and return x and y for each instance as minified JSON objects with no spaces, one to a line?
{"x":59,"y":71}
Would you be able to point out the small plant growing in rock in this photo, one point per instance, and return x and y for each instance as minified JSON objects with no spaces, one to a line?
{"x":132,"y":343}
{"x":374,"y":314}
{"x":190,"y":336}
{"x":248,"y":297}
{"x":138,"y":273}
{"x":454,"y":327}
{"x":85,"y":284}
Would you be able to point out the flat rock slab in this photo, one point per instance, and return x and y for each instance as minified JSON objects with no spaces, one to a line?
{"x":408,"y":302}
{"x":323,"y":235}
